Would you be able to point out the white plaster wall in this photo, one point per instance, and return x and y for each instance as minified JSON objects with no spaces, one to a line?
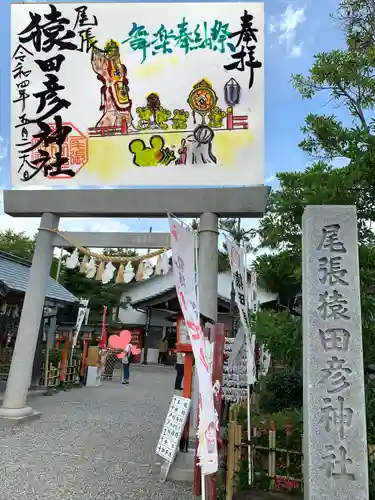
{"x":225,"y":285}
{"x":150,"y":287}
{"x":130,"y":316}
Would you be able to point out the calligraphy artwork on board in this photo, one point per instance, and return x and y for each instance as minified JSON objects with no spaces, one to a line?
{"x":113,"y":93}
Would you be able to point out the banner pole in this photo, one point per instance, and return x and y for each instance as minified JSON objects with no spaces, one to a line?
{"x":203,"y":482}
{"x":250,"y":352}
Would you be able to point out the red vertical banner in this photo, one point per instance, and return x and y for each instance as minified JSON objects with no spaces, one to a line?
{"x":217,"y":379}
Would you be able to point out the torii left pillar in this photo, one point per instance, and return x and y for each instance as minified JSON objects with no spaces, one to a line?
{"x":15,"y":400}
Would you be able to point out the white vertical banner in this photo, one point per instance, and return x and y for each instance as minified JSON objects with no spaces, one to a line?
{"x":237,"y":260}
{"x":184,"y":243}
{"x":83,"y":303}
{"x":239,"y":277}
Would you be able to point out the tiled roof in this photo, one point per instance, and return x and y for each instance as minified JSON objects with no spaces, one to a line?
{"x":14,"y":274}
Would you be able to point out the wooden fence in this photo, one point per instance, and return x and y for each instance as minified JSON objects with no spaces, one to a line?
{"x":53,"y":376}
{"x":72,"y":372}
{"x":5,"y":361}
{"x":276,"y":456}
{"x":4,"y":371}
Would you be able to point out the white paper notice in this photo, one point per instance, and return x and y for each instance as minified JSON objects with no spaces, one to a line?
{"x":173,"y":427}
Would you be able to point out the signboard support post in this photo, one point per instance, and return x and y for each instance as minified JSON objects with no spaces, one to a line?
{"x":208,"y":265}
{"x":207,"y":272}
{"x":28,"y":330}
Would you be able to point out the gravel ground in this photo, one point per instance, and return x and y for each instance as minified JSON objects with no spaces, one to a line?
{"x":91,"y":443}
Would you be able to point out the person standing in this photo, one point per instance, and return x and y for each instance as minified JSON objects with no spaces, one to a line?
{"x":126,"y":360}
{"x":180,"y":371}
{"x":163,"y":348}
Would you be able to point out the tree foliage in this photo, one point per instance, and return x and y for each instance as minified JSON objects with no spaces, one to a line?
{"x":281,"y":333}
{"x":18,"y":244}
{"x":342,"y":172}
{"x":99,"y":295}
{"x":232,"y":228}
{"x":22,"y":246}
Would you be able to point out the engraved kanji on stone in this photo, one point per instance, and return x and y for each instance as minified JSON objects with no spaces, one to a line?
{"x":331,"y":271}
{"x":336,"y":374}
{"x":336,"y":417}
{"x":334,"y":339}
{"x":330,"y":239}
{"x":333,"y":306}
{"x":337,"y":463}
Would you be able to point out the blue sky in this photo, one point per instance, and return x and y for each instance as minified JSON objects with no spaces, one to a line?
{"x":294,"y":32}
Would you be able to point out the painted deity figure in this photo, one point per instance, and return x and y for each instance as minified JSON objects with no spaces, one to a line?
{"x":115,"y":101}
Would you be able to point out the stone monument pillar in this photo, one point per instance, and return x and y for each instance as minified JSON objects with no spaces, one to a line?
{"x":335,"y":444}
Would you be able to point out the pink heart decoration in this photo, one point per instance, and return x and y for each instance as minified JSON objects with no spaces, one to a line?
{"x":120,"y":341}
{"x":135,"y":352}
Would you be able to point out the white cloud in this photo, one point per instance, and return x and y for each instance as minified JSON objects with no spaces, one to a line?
{"x":286,"y":26}
{"x":272,"y":28}
{"x":3,"y":149}
{"x":269,"y":179}
{"x":296,"y":50}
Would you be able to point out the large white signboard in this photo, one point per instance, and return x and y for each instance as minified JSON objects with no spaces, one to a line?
{"x":137,"y":94}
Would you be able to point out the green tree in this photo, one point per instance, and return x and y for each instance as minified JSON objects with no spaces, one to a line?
{"x":18,"y":244}
{"x":347,"y":78}
{"x":232,"y":227}
{"x":99,"y":294}
{"x":23,"y":246}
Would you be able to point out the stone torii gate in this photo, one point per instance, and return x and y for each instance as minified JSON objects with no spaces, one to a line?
{"x":51,"y":205}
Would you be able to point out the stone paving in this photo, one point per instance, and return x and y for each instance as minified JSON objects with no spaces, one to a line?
{"x":91,"y":443}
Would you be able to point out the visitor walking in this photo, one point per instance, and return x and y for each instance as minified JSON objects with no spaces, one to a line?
{"x":180,"y":371}
{"x":163,"y":348}
{"x":126,"y":360}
